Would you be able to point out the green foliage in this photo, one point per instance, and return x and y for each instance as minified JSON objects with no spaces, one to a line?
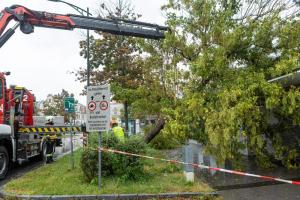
{"x":125,"y":167}
{"x":129,"y":167}
{"x":89,"y":164}
{"x":209,"y":78}
{"x":54,"y":105}
{"x":169,"y":138}
{"x":227,"y":99}
{"x":137,"y":69}
{"x":171,"y":168}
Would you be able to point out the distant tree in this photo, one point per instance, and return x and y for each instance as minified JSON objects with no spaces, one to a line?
{"x":54,"y":105}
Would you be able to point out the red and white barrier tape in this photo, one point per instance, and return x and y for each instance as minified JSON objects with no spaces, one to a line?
{"x":203,"y":166}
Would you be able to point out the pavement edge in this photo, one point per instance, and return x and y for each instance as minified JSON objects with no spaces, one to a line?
{"x":5,"y":195}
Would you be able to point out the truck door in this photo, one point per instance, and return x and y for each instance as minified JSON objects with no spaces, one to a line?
{"x":18,"y":98}
{"x":28,"y":108}
{"x":2,"y":101}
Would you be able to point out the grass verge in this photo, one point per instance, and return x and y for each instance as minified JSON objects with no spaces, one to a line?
{"x":58,"y":179}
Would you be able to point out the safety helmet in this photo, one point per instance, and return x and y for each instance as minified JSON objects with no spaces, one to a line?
{"x":113,"y":122}
{"x":49,"y":118}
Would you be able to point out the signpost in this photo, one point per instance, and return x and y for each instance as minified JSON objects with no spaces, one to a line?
{"x":98,"y":114}
{"x":69,"y":103}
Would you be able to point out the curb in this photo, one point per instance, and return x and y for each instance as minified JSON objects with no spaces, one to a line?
{"x":5,"y":195}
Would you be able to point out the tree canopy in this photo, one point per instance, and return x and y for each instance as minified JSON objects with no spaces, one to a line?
{"x":209,"y":79}
{"x":228,"y":100}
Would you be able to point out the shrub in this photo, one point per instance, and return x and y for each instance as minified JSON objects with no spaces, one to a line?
{"x":125,"y":167}
{"x":129,"y":167}
{"x":89,"y":164}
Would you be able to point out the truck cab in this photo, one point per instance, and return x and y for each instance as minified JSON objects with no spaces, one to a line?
{"x":16,"y":114}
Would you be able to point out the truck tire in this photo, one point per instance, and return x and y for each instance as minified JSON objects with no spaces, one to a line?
{"x":4,"y":162}
{"x":44,"y":152}
{"x":48,"y":152}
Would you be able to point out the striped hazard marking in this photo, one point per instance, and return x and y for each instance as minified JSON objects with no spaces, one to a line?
{"x":48,"y":129}
{"x":202,"y":166}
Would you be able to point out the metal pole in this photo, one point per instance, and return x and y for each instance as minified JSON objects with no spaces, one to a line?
{"x":88,"y":53}
{"x":99,"y":159}
{"x":71,"y":138}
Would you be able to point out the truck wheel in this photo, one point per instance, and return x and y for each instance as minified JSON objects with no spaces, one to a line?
{"x":44,"y":152}
{"x":47,"y":152}
{"x":4,"y":162}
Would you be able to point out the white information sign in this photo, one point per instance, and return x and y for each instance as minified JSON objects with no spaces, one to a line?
{"x":98,"y":108}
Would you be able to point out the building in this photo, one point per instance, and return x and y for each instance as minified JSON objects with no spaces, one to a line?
{"x":80,"y":112}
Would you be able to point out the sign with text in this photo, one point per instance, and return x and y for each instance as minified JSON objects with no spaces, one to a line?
{"x":69,"y":103}
{"x":98,"y":108}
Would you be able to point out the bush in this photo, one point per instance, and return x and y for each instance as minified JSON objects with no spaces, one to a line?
{"x":89,"y":164}
{"x":125,"y":167}
{"x":131,"y":168}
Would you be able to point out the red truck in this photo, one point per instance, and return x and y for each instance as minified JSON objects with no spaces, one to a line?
{"x":19,"y":139}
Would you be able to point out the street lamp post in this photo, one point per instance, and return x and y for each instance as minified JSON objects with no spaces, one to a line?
{"x":83,"y":12}
{"x":87,"y":13}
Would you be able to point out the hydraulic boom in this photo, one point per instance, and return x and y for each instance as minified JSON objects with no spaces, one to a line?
{"x":27,"y":19}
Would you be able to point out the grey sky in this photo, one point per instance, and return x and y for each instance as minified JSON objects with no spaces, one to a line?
{"x":42,"y":61}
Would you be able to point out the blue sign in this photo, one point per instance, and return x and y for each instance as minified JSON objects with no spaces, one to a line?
{"x":69,"y":104}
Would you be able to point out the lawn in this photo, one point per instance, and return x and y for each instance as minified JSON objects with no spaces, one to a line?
{"x":58,"y":179}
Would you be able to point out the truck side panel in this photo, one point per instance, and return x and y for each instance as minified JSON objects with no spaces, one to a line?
{"x":2,"y":99}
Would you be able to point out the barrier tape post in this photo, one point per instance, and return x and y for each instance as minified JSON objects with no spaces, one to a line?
{"x":202,"y":166}
{"x":84,"y":139}
{"x":71,"y":141}
{"x":99,"y":160}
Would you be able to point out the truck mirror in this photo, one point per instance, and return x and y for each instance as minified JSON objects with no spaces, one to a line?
{"x":5,"y":129}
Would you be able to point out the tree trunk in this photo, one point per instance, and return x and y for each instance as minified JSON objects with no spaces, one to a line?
{"x":155,"y":131}
{"x":126,"y":118}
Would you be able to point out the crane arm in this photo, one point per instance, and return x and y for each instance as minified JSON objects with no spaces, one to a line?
{"x":27,"y":19}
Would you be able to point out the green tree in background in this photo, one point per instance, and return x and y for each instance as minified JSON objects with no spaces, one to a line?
{"x":54,"y":105}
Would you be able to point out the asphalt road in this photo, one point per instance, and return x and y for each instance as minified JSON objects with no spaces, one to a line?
{"x":235,"y":187}
{"x":273,"y":192}
{"x":19,"y":170}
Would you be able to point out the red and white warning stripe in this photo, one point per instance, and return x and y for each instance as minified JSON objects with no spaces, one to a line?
{"x":203,"y":166}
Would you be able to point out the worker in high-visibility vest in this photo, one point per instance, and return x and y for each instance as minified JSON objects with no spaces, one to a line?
{"x":118,"y":131}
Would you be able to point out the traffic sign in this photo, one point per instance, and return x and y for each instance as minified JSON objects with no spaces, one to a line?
{"x":98,"y":108}
{"x":69,"y":104}
{"x":92,"y":106}
{"x":103,"y":105}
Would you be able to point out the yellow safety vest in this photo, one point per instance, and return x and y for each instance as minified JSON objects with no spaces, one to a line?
{"x":119,"y":133}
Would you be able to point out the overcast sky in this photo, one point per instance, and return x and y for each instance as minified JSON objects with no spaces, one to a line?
{"x":41,"y":61}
